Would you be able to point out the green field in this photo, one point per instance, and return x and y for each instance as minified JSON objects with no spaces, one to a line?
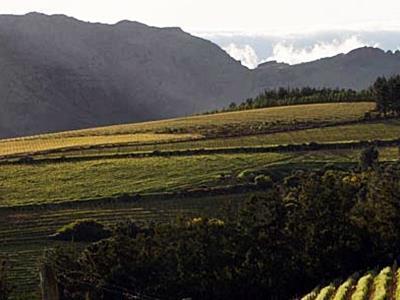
{"x":273,"y":117}
{"x":358,"y":132}
{"x":53,"y":143}
{"x":194,"y":128}
{"x":58,"y":182}
{"x":91,"y":187}
{"x":42,"y":183}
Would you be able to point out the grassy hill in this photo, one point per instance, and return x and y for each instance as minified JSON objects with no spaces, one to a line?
{"x":159,"y":170}
{"x":205,"y":127}
{"x":373,"y":285}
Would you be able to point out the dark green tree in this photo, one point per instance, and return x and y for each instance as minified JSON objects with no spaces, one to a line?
{"x":387,"y":95}
{"x":369,"y":158}
{"x":381,"y":92}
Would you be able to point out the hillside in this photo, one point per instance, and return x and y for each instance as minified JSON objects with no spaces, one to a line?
{"x":356,"y":70}
{"x":163,"y":169}
{"x":58,"y":73}
{"x":192,"y":152}
{"x":197,"y":130}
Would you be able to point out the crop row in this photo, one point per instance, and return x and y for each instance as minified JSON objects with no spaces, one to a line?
{"x":381,"y":285}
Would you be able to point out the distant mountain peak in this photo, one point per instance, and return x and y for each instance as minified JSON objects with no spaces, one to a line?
{"x":130,"y":23}
{"x":367,"y":50}
{"x":272,"y":63}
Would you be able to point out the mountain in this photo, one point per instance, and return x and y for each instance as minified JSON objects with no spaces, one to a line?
{"x":357,"y":70}
{"x":58,"y":73}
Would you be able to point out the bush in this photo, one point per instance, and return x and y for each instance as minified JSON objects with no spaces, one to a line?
{"x":263,"y":181}
{"x":246,"y":175}
{"x":26,"y":160}
{"x":369,"y":158}
{"x":82,"y":231}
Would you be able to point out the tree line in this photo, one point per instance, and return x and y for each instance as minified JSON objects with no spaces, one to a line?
{"x":305,"y":230}
{"x":293,"y":96}
{"x":387,"y":95}
{"x":384,"y":91}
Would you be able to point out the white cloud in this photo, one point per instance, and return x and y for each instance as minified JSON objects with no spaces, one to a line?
{"x":288,"y":53}
{"x":245,"y":54}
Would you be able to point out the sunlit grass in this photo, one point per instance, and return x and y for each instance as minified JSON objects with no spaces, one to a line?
{"x":27,"y":184}
{"x":193,"y":128}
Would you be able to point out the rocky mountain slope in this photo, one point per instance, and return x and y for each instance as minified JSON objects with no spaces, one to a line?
{"x":58,"y":73}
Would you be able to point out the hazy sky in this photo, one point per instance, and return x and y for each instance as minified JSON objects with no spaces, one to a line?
{"x":281,"y":25}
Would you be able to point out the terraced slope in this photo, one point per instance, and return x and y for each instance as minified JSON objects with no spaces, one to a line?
{"x":375,"y":285}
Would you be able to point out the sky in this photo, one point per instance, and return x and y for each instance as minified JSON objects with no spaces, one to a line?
{"x":252,"y":31}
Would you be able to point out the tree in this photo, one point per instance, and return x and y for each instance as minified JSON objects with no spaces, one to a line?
{"x":369,"y":158}
{"x":232,"y":106}
{"x":381,"y":92}
{"x":378,"y":212}
{"x":395,"y":93}
{"x":387,"y":94}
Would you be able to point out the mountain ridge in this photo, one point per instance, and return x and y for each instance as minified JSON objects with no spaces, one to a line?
{"x":59,"y":73}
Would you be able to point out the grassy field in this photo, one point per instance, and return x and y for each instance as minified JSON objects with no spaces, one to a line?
{"x":358,"y":132}
{"x":193,"y":128}
{"x":58,"y":182}
{"x":275,"y":116}
{"x":51,"y":143}
{"x":24,"y":229}
{"x":42,"y":183}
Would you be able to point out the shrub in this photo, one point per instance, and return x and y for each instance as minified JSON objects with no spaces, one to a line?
{"x":311,"y":296}
{"x":26,"y":160}
{"x":381,"y":284}
{"x":344,"y":290}
{"x":263,"y":181}
{"x":246,"y":175}
{"x":362,"y":287}
{"x":326,"y":293}
{"x":369,"y":158}
{"x":82,"y":231}
{"x":397,"y":292}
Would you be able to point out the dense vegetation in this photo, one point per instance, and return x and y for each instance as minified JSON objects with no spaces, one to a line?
{"x":384,"y":91}
{"x":310,"y":227}
{"x":306,"y":95}
{"x":82,"y":231}
{"x":387,"y":95}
